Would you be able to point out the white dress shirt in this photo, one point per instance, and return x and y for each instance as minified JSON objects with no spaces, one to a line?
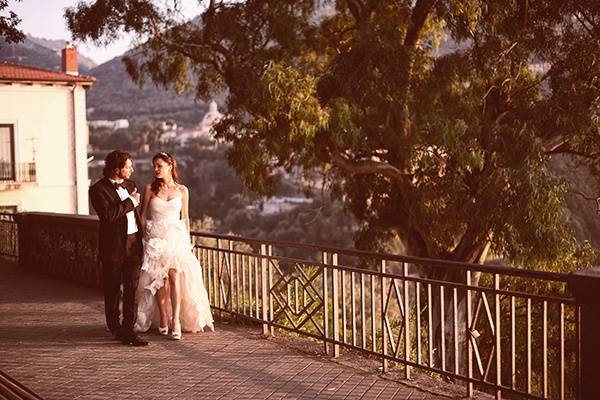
{"x":124,"y":194}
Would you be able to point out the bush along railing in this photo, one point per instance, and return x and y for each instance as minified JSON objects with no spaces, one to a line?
{"x":9,"y":235}
{"x":505,"y":331}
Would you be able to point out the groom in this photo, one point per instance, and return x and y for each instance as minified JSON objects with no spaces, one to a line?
{"x":115,"y":199}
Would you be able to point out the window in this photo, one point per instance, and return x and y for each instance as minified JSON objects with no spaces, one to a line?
{"x":7,"y":153}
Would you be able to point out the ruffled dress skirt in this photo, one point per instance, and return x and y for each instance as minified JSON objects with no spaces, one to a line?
{"x":169,"y":247}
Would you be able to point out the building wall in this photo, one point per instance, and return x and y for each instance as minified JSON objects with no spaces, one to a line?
{"x":47,"y":130}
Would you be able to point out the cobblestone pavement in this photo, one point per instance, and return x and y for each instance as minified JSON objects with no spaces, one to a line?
{"x":53,"y":340}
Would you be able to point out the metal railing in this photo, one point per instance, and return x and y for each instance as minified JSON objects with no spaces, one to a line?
{"x":18,"y":172}
{"x":9,"y":235}
{"x":510,"y":332}
{"x":506,"y":331}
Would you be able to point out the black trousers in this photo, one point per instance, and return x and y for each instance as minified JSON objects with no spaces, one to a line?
{"x":126,"y":272}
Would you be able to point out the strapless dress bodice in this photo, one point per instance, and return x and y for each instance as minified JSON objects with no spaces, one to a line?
{"x":161,"y":209}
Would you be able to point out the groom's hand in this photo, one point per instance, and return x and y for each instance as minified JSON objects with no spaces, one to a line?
{"x":135,"y":195}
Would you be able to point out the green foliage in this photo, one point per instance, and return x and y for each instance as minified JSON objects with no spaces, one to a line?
{"x":434,"y":122}
{"x":323,"y":222}
{"x":8,"y":25}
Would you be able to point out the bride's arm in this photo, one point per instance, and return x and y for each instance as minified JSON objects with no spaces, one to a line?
{"x":185,"y":215}
{"x":144,"y":215}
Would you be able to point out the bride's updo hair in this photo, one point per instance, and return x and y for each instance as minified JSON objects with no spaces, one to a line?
{"x":169,"y":159}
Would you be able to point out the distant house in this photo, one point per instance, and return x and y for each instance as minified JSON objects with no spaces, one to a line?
{"x":275,"y":205}
{"x":113,"y":125}
{"x":44,"y":137}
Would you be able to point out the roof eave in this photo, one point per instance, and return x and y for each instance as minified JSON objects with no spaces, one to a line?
{"x":87,"y":83}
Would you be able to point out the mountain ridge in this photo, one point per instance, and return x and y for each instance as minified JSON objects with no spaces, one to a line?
{"x":41,"y":53}
{"x":114,"y":95}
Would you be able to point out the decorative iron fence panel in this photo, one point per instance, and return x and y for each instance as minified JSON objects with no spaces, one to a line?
{"x":62,"y":245}
{"x":505,"y":331}
{"x":9,"y":235}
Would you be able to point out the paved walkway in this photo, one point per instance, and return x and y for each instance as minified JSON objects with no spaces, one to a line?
{"x":52,"y":339}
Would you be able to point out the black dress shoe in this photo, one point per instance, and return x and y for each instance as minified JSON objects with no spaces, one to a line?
{"x":134,"y":340}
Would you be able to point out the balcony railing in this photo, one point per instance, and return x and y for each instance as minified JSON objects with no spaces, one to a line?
{"x":18,"y":172}
{"x":497,"y":329}
{"x":511,"y":332}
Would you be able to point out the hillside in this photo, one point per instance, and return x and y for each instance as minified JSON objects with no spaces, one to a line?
{"x":115,"y":96}
{"x":41,"y":53}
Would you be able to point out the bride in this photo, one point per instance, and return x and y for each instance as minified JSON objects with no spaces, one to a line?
{"x":171,"y":290}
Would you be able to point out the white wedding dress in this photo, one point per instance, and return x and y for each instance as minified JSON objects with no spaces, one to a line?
{"x":168,"y":247}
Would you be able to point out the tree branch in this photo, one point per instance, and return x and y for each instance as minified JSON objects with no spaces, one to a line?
{"x":473,"y":245}
{"x":208,"y":21}
{"x":356,"y":8}
{"x":586,"y":197}
{"x":559,"y":145}
{"x":419,"y":16}
{"x":523,"y":13}
{"x":587,"y":18}
{"x":591,"y":156}
{"x":582,"y":23}
{"x":366,"y":167}
{"x":181,"y":47}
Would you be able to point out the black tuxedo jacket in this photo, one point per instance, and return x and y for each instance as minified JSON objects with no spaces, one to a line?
{"x":112,"y":212}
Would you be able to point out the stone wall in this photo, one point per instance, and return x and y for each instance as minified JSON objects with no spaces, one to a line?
{"x":62,"y":245}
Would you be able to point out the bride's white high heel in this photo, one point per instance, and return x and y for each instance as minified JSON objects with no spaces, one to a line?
{"x":176,"y":333}
{"x":163,"y":331}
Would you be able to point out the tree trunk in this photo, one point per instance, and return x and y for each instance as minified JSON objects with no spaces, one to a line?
{"x":451,"y":275}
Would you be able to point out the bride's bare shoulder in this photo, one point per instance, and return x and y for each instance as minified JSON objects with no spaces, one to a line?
{"x":182,"y":188}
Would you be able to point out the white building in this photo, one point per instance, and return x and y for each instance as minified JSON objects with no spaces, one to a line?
{"x":275,"y":205}
{"x":113,"y":125}
{"x":203,"y":129}
{"x":44,"y":138}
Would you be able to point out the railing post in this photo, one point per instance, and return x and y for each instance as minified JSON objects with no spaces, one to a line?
{"x":585,"y":286}
{"x":384,"y":338}
{"x":336,"y":303}
{"x":230,"y":260}
{"x":264,"y":290}
{"x":219,"y":287}
{"x":498,"y":336}
{"x":407,"y":320}
{"x":270,"y":269}
{"x":468,"y":342}
{"x":325,"y":304}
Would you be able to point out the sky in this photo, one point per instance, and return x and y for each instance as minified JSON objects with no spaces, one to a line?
{"x":44,"y":19}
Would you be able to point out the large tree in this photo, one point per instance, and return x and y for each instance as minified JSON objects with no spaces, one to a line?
{"x":9,"y":22}
{"x":434,"y":121}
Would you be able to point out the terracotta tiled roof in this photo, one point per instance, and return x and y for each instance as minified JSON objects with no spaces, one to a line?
{"x":23,"y":73}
